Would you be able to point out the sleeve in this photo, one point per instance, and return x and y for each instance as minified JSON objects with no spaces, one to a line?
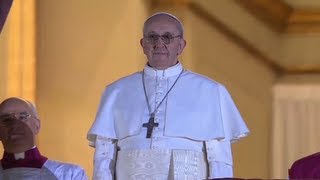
{"x":80,"y":175}
{"x":219,"y":156}
{"x":104,"y":158}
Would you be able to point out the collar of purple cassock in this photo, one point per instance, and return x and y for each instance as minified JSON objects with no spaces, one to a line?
{"x":4,"y":10}
{"x":32,"y":159}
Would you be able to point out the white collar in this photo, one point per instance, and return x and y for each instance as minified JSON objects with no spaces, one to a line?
{"x":170,"y":71}
{"x":20,"y":155}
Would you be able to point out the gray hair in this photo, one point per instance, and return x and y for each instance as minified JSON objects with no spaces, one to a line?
{"x":179,"y":24}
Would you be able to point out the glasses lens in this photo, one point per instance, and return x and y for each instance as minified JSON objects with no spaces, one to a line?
{"x":5,"y":119}
{"x":166,"y":38}
{"x":152,"y":38}
{"x":23,"y":116}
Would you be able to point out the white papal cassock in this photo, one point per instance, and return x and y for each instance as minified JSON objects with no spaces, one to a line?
{"x":33,"y":166}
{"x":198,"y":120}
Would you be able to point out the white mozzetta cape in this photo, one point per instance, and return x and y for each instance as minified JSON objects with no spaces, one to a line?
{"x":197,"y":108}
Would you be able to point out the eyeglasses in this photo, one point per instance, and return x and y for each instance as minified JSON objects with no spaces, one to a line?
{"x":166,"y":38}
{"x":7,"y":119}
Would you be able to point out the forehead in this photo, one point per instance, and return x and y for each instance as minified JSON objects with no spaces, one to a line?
{"x":14,"y":106}
{"x":161,"y":24}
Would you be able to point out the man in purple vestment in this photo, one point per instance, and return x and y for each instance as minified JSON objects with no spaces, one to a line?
{"x":19,"y":125}
{"x":4,"y":10}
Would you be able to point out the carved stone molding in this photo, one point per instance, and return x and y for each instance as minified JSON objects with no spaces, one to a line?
{"x":282,"y":17}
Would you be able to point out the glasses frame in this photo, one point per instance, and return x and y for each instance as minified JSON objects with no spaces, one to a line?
{"x":7,"y":119}
{"x":149,"y":40}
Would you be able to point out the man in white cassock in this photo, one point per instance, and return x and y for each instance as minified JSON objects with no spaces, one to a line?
{"x":165,"y":122}
{"x":19,"y":124}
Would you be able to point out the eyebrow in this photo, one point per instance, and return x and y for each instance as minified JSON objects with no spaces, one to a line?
{"x":165,"y":33}
{"x":23,"y":112}
{"x":151,"y":32}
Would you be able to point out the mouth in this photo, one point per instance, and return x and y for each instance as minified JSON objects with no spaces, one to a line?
{"x":16,"y":133}
{"x":159,"y":53}
{"x":16,"y":136}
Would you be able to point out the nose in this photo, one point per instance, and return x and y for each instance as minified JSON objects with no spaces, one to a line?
{"x":159,"y":43}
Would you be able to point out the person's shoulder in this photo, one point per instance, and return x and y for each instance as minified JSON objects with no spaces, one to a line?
{"x":126,"y":80}
{"x":59,"y":164}
{"x":63,"y":167}
{"x":200,"y":78}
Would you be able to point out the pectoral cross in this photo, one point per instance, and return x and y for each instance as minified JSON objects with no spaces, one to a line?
{"x":150,"y":125}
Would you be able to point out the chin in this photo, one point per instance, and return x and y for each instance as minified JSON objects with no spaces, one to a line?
{"x":17,"y":142}
{"x":160,"y":63}
{"x":160,"y":66}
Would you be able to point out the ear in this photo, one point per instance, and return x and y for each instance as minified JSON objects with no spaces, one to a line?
{"x":3,"y":134}
{"x":142,"y":43}
{"x":182,"y":45}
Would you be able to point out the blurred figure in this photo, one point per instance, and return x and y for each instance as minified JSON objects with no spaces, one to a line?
{"x":306,"y":168}
{"x":19,"y":125}
{"x":4,"y":11}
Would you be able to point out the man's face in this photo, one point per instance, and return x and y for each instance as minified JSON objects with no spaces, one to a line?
{"x":162,"y":42}
{"x":18,"y":125}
